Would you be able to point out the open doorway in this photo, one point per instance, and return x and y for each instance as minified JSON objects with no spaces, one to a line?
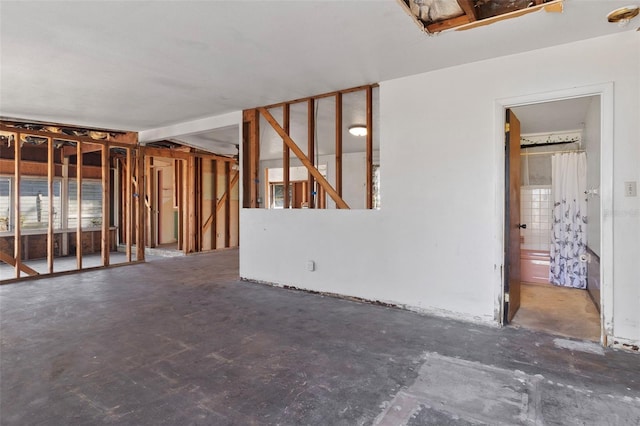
{"x":192,"y":192}
{"x":553,"y":223}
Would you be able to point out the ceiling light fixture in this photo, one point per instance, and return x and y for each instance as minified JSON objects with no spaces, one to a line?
{"x":358,"y":130}
{"x":623,"y":15}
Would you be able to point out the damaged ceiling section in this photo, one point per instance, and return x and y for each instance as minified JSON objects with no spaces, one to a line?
{"x":434,"y":16}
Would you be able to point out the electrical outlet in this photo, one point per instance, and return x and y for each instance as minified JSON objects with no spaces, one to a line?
{"x":311,"y":265}
{"x":630,"y":189}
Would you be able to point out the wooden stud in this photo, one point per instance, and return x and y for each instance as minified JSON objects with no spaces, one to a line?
{"x":105,"y":245}
{"x":199,"y":201}
{"x":339,"y":143}
{"x":17,"y":236}
{"x":50,"y":224}
{"x":191,"y":207}
{"x":286,"y":166}
{"x":149,"y":200}
{"x":140,"y":210}
{"x":369,"y":148}
{"x":12,"y":262}
{"x":128,"y":205}
{"x":214,"y":204}
{"x":227,"y":205}
{"x":311,"y":132}
{"x":469,"y":9}
{"x":340,"y":203}
{"x":323,"y":95}
{"x":79,"y":161}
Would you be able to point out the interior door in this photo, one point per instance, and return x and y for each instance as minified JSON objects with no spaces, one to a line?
{"x":512,"y":219}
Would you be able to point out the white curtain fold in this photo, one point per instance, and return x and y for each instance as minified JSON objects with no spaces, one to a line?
{"x":569,"y":228}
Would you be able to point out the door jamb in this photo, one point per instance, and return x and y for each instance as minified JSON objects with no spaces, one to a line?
{"x":606,"y":93}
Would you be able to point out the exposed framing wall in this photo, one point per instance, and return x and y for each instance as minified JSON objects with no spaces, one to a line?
{"x":63,"y":142}
{"x":317,"y":184}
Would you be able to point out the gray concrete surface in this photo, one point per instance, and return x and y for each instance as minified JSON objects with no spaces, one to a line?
{"x":182,"y":341}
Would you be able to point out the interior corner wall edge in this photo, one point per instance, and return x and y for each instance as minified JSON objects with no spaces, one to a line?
{"x":434,"y":244}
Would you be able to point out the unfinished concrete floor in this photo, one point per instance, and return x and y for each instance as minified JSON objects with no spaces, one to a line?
{"x":559,"y":310}
{"x":181,"y":341}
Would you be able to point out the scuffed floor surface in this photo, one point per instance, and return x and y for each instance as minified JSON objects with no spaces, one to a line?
{"x":181,"y":341}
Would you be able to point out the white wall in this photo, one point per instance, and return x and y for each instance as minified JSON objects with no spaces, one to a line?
{"x":591,"y":144}
{"x":436,"y":245}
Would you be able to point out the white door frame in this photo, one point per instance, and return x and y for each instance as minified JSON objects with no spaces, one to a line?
{"x":606,"y":93}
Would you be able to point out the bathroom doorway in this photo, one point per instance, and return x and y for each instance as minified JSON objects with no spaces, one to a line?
{"x":553,"y":222}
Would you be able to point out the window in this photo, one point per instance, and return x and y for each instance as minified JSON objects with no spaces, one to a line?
{"x":91,"y":204}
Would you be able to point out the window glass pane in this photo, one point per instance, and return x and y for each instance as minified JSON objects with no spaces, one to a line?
{"x":91,"y":204}
{"x":34,"y":203}
{"x":5,"y":203}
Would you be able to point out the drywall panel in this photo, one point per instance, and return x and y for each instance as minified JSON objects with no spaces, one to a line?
{"x":436,"y":245}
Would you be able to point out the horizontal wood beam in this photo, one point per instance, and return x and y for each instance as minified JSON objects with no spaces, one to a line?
{"x":340,"y":203}
{"x":323,"y":95}
{"x":179,"y":154}
{"x":55,"y":131}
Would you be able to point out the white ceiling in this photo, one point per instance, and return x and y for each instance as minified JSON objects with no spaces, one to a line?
{"x":146,"y":64}
{"x":557,"y":116}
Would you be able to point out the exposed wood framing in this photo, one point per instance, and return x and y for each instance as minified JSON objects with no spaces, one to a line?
{"x":50,"y":175}
{"x":323,"y":95}
{"x":17,"y":239}
{"x":128,"y":205}
{"x":140,"y":210}
{"x":149,"y":202}
{"x":221,"y":202}
{"x":227,"y":205}
{"x":311,"y":132}
{"x":214,"y":203}
{"x":369,"y":152}
{"x":106,"y":210}
{"x":191,"y":204}
{"x":339,"y":143}
{"x":181,"y":154}
{"x":73,"y":133}
{"x":340,"y":203}
{"x":251,"y":135}
{"x":286,"y":166}
{"x":79,"y":155}
{"x":22,"y":267}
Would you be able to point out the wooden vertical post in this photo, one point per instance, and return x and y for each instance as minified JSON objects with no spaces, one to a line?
{"x":200,"y":201}
{"x":106,"y":199}
{"x":285,"y":156}
{"x":79,"y":198}
{"x":50,"y":235}
{"x":311,"y":127}
{"x":227,"y":205}
{"x":128,"y":206}
{"x":149,"y":199}
{"x":17,"y":238}
{"x":252,"y":157}
{"x":140,"y":219}
{"x":339,"y":143}
{"x":191,"y":199}
{"x":369,"y":147}
{"x":214,"y":205}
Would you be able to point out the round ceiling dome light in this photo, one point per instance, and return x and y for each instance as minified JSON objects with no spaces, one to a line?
{"x":358,"y":130}
{"x":623,"y":15}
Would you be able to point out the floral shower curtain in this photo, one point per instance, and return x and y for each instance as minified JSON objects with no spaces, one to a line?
{"x":569,"y":231}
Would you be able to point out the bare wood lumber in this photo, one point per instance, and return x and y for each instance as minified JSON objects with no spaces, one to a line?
{"x":369,"y":152}
{"x":468,"y":7}
{"x":323,"y":95}
{"x":252,"y":164}
{"x":12,"y":262}
{"x":128,"y":205}
{"x":448,"y":24}
{"x":311,"y":132}
{"x":140,"y":210}
{"x":191,"y":204}
{"x":227,"y":206}
{"x":339,"y":143}
{"x":50,"y":175}
{"x":17,"y":239}
{"x":340,"y":203}
{"x":286,"y":166}
{"x":79,"y":159}
{"x":104,"y":240}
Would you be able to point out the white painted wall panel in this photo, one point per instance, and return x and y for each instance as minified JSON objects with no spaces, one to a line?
{"x":436,"y":243}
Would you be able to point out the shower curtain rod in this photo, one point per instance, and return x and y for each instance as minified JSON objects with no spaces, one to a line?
{"x":552,"y":152}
